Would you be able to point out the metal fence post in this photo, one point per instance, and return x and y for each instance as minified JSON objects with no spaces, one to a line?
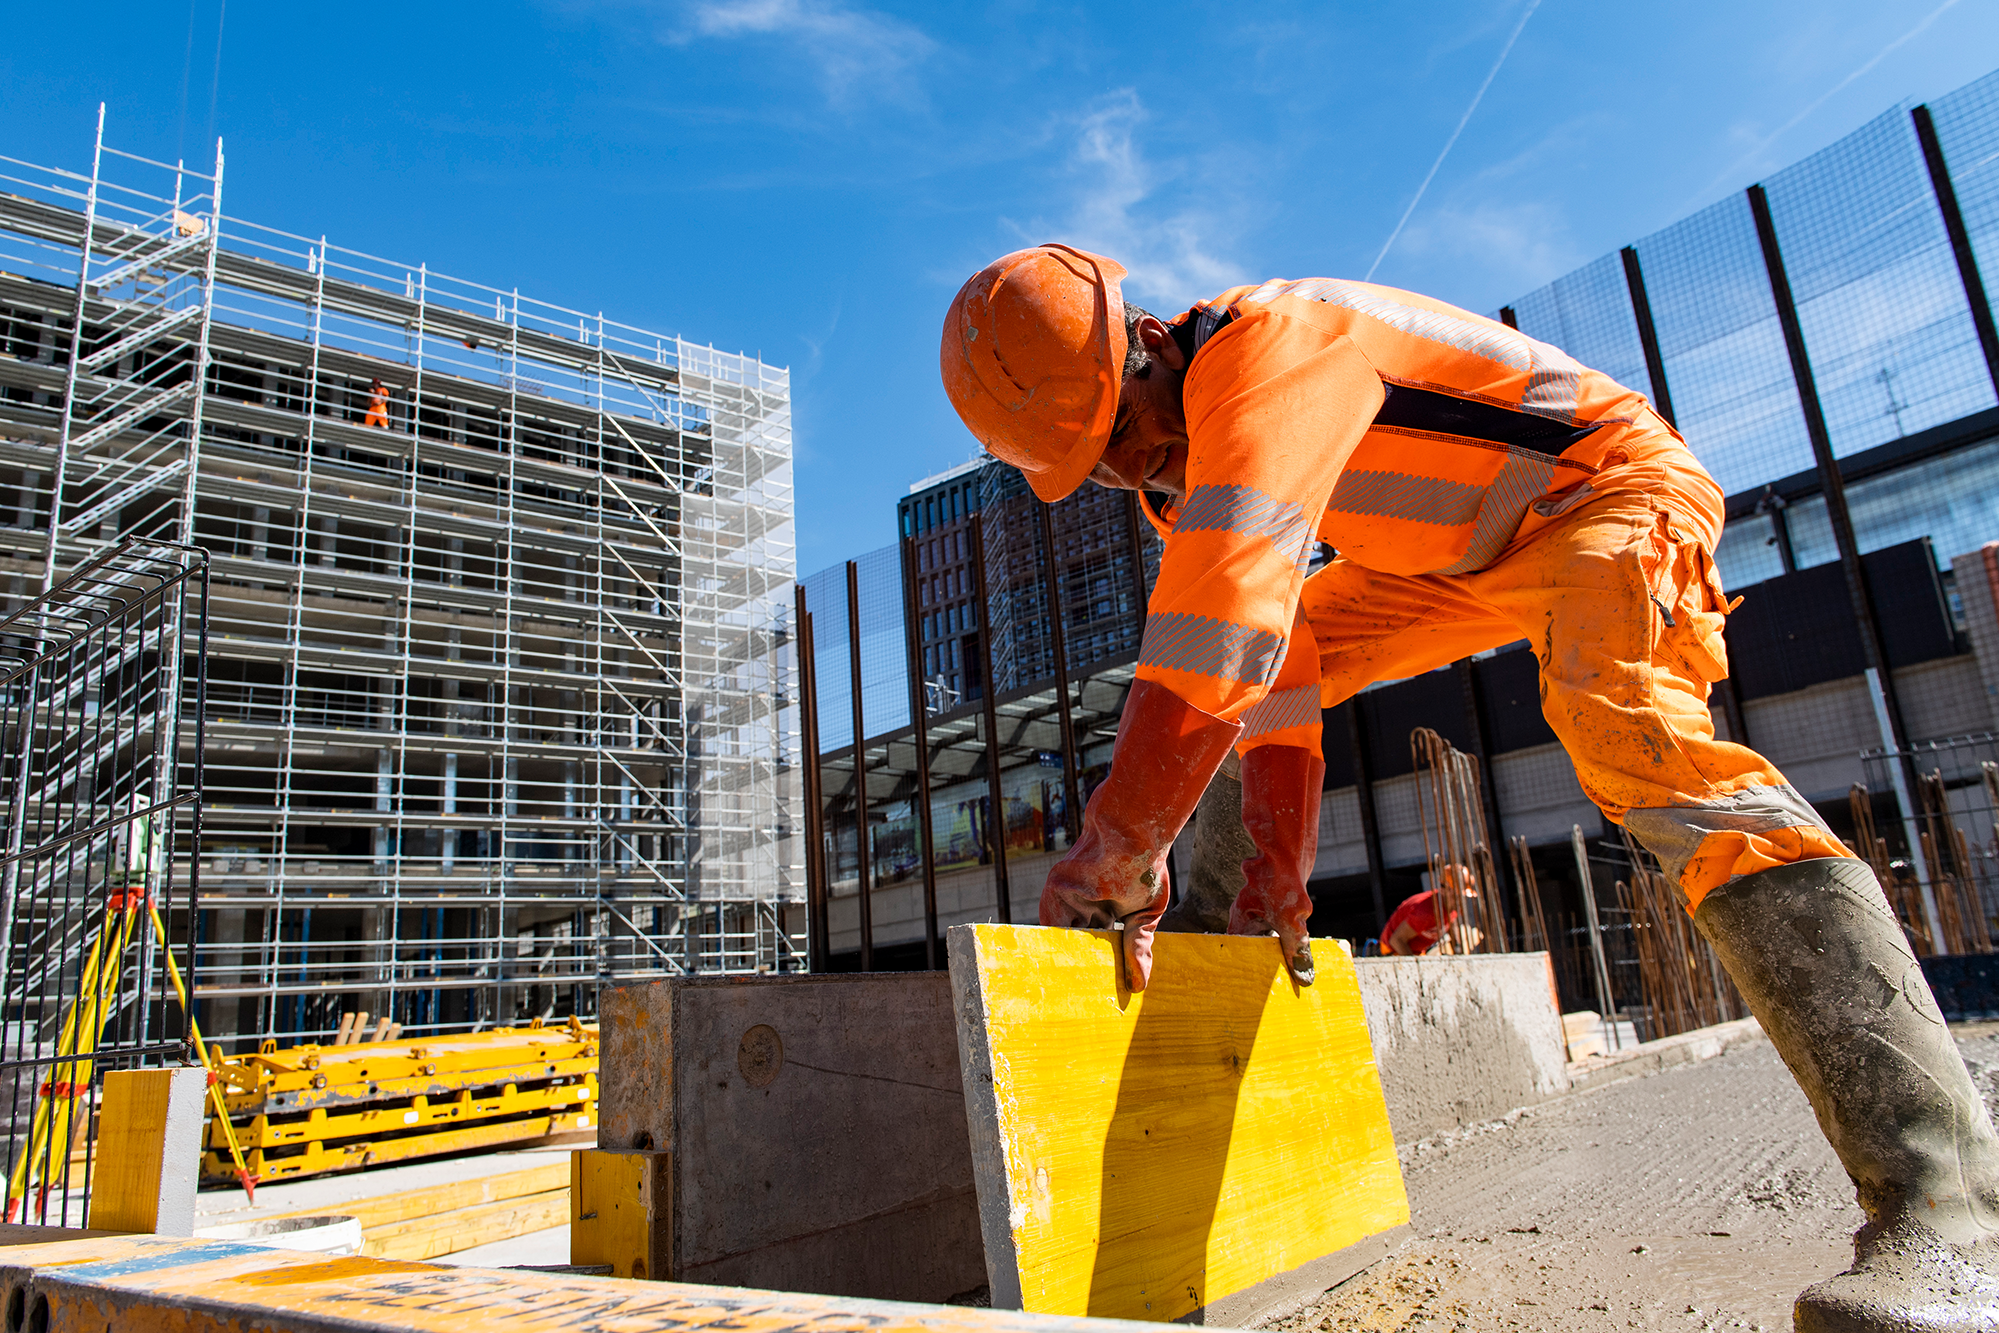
{"x":863,"y":853}
{"x":919,"y":722}
{"x":1071,"y":761}
{"x":996,"y":820}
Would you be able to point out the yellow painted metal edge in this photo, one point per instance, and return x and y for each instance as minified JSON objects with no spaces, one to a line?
{"x":146,"y":1284}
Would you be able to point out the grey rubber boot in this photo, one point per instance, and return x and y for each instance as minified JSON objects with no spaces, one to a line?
{"x":1826,"y":968}
{"x":1221,"y":845}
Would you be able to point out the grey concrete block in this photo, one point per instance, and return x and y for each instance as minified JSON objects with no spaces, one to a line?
{"x":1460,"y":1040}
{"x":816,"y":1127}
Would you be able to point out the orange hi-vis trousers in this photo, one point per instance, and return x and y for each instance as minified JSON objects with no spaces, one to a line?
{"x":1621,"y":604}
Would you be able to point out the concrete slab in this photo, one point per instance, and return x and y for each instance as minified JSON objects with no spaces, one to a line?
{"x":1462,"y":1040}
{"x":816,"y":1127}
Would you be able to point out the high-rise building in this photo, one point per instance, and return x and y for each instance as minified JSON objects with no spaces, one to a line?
{"x":1095,"y":531}
{"x":499,"y":654}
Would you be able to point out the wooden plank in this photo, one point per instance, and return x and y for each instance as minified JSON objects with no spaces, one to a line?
{"x":463,"y":1228}
{"x":389,"y":1209}
{"x":148,"y":1151}
{"x":1210,"y":1148}
{"x":618,"y":1211}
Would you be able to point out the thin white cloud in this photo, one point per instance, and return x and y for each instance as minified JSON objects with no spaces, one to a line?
{"x":1511,"y":246}
{"x":1451,"y":142}
{"x":1167,"y":246}
{"x":1756,"y":151}
{"x":860,"y":54}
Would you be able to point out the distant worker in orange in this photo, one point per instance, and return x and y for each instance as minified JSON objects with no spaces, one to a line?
{"x":1413,"y":928}
{"x":378,"y":405}
{"x":1479,"y":487}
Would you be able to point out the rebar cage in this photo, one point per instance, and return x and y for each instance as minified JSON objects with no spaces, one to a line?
{"x":103,"y":682}
{"x":1927,"y":820}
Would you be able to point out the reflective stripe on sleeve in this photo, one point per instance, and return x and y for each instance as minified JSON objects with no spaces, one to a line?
{"x":1249,"y":511}
{"x":1204,"y":646}
{"x":1294,"y":707}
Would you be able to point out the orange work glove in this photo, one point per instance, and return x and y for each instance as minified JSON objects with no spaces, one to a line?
{"x":1280,"y":808}
{"x":1167,"y":749}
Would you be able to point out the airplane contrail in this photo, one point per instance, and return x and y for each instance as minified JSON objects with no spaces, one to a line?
{"x":1464,"y":120}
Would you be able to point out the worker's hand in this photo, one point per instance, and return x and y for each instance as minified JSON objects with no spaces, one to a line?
{"x":1280,"y":808}
{"x":1116,"y":873}
{"x":1106,"y":881}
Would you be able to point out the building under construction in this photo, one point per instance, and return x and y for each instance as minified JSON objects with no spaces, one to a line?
{"x":499,"y":661}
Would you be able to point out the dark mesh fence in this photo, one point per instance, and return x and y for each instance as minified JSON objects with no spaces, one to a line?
{"x":1879,"y":297}
{"x":1588,"y":315}
{"x":1733,"y":393}
{"x":1967,"y":124}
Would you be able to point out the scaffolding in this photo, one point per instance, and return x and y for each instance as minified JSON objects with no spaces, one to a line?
{"x":500,"y":702}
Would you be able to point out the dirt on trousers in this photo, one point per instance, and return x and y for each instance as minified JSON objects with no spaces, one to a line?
{"x":1703,"y":1197}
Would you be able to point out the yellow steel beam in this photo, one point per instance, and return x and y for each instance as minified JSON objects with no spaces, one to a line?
{"x":320,"y":1157}
{"x":150,"y":1285}
{"x":415,"y":1115}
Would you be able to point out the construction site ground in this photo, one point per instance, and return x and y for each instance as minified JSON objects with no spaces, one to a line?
{"x":1701,"y":1197}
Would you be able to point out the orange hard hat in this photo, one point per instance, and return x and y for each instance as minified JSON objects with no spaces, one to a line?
{"x":1033,"y":356}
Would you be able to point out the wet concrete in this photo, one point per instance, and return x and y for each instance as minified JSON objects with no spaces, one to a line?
{"x":1702,"y":1197}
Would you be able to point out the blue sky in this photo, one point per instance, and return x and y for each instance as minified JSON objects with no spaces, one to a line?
{"x":811,"y":180}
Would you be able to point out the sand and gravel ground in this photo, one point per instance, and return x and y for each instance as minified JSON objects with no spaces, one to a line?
{"x":1700,"y":1198}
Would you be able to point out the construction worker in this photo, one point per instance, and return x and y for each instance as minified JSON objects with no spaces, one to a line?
{"x":1479,"y":487}
{"x":1413,"y":927}
{"x":378,"y":405}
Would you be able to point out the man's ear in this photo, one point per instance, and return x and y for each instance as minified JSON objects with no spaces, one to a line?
{"x":1159,"y":341}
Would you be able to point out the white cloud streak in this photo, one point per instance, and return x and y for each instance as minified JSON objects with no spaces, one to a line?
{"x":859,"y":53}
{"x":1168,"y":248}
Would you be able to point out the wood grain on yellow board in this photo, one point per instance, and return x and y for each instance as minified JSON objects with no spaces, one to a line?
{"x":1143,"y":1156}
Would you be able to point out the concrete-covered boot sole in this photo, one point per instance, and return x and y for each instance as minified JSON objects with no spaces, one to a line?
{"x":1913,"y":1283}
{"x":1823,"y":963}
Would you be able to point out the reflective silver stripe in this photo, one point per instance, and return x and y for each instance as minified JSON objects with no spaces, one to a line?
{"x":1554,"y":379}
{"x":1554,"y":389}
{"x":1249,"y":511}
{"x":1412,"y":499}
{"x":1206,"y":322}
{"x":1673,"y":833}
{"x":1204,"y":646}
{"x":1524,"y":479}
{"x":1490,"y":342}
{"x":1295,"y":707}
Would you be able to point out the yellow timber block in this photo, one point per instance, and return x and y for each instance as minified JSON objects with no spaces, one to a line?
{"x":618,"y":1212}
{"x":384,"y":1210}
{"x":1191,"y":1148}
{"x":463,"y":1228}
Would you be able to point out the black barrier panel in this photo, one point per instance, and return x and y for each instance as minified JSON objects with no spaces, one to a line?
{"x":1435,"y":699}
{"x":1336,"y":739}
{"x":1798,"y":630}
{"x":1966,"y":985}
{"x":1509,"y":689}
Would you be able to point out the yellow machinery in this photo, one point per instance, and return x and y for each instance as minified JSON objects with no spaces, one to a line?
{"x":310,"y":1109}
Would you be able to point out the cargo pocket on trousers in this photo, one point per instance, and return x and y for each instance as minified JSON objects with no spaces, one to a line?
{"x":1692,"y":607}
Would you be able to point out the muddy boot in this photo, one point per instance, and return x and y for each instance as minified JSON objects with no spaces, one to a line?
{"x":1221,"y":845}
{"x":1823,"y":963}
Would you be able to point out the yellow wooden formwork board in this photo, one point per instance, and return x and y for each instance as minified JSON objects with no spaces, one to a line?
{"x":1147,"y":1156}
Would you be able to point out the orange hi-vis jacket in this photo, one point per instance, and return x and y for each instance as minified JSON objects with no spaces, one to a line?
{"x":1413,"y":437}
